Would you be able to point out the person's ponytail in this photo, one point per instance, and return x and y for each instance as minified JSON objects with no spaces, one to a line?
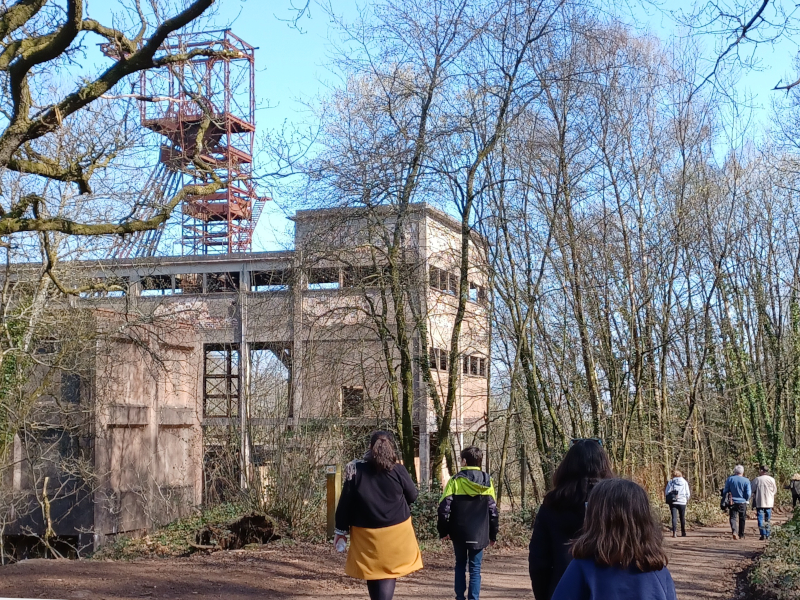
{"x":382,"y":453}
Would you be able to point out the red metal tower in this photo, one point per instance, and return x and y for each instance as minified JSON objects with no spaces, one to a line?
{"x":204,"y":107}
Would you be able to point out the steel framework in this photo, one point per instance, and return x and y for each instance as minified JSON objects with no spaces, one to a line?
{"x":204,"y":108}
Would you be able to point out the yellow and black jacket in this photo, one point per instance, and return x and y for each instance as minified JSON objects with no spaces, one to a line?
{"x":467,"y":509}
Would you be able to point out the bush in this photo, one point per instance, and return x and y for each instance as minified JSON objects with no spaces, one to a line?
{"x":173,"y":539}
{"x":776,"y":573}
{"x":424,"y":513}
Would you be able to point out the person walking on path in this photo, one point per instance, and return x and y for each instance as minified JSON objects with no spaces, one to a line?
{"x":794,"y":487}
{"x":738,"y":486}
{"x":468,"y":517}
{"x":677,"y":494}
{"x":561,"y":516}
{"x":764,"y":490}
{"x":619,"y":556}
{"x":374,"y":510}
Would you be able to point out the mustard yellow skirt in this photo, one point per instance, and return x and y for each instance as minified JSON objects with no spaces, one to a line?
{"x":384,"y":553}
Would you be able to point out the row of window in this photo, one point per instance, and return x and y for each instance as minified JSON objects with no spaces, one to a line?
{"x":322,"y":278}
{"x":447,"y":282}
{"x":472,"y":364}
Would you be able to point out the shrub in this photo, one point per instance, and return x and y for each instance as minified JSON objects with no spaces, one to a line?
{"x":776,"y":573}
{"x":424,"y":513}
{"x":173,"y":539}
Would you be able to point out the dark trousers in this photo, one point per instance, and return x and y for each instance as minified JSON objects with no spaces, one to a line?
{"x":678,"y":509}
{"x":381,"y":589}
{"x":738,"y":511}
{"x":467,"y":557}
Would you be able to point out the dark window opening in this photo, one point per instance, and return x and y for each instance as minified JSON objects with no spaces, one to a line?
{"x":438,"y":359}
{"x":270,"y":281}
{"x":443,"y":280}
{"x":475,"y":366}
{"x":352,"y":402}
{"x":71,"y":388}
{"x":222,"y":282}
{"x":48,"y":347}
{"x":221,"y":381}
{"x":189,"y":283}
{"x":452,"y":283}
{"x":365,"y":276}
{"x":157,"y":285}
{"x":434,"y":278}
{"x":326,"y":278}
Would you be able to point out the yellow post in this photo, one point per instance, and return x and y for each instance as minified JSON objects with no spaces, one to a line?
{"x":333,"y":475}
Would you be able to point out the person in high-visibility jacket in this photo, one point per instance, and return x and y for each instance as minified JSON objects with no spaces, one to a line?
{"x":468,"y":517}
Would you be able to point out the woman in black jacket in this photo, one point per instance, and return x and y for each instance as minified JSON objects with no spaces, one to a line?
{"x":560,"y":518}
{"x":374,"y":510}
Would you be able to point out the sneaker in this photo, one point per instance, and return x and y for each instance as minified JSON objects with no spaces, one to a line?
{"x":683,"y":534}
{"x":763,"y":537}
{"x":674,"y":534}
{"x":736,"y":537}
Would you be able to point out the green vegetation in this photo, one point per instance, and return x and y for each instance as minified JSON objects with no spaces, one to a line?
{"x":174,"y":539}
{"x":776,"y":574}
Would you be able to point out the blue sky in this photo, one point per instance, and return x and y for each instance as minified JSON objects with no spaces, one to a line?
{"x":291,"y":68}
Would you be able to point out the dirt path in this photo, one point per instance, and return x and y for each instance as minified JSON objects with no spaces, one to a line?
{"x":703,"y":565}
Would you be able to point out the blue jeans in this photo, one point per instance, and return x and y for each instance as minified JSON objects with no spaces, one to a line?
{"x":764,"y":517}
{"x":466,"y":555}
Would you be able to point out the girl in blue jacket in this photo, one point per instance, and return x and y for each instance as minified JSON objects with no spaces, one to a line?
{"x":619,"y":556}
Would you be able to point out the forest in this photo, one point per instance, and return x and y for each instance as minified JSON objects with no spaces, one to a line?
{"x":641,"y":227}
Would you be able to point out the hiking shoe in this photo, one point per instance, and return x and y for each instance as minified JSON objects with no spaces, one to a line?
{"x":763,"y":537}
{"x":736,"y":537}
{"x":673,"y":534}
{"x":683,"y":534}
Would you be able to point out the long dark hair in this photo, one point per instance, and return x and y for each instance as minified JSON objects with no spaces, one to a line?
{"x":620,"y":529}
{"x":382,"y":454}
{"x":584,"y":464}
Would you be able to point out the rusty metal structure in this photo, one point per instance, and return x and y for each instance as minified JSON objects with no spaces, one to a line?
{"x":203,"y":107}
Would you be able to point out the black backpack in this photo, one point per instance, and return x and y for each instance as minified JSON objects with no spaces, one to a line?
{"x":671,"y":496}
{"x":726,"y":500}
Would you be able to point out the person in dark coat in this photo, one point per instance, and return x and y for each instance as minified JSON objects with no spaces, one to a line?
{"x":794,"y":487}
{"x":374,"y":511}
{"x":468,"y":517}
{"x":560,"y":518}
{"x":620,"y":555}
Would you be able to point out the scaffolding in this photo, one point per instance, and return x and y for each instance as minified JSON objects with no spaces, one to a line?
{"x":204,"y":109}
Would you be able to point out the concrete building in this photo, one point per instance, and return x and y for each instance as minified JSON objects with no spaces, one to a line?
{"x":194,"y":351}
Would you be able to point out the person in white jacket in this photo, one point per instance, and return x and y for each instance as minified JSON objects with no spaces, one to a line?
{"x":677,"y":494}
{"x":764,"y":490}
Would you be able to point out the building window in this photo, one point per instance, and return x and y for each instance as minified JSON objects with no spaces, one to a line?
{"x":189,"y":283}
{"x":270,"y":281}
{"x":157,"y":285}
{"x":71,"y":388}
{"x":352,"y":402}
{"x":443,"y":280}
{"x":323,"y":278}
{"x":437,"y":359}
{"x":222,"y":282}
{"x":477,"y":293}
{"x":365,"y":276}
{"x":474,"y":366}
{"x":221,"y":381}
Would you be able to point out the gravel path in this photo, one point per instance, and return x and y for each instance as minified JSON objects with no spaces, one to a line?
{"x":703,"y":566}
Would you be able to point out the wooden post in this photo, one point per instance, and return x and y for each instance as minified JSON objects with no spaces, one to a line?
{"x":333,"y":476}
